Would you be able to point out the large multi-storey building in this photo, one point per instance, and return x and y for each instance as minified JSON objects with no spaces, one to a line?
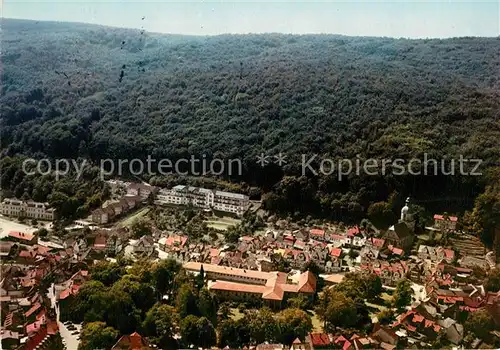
{"x":203,"y":198}
{"x":28,"y":209}
{"x":273,"y":288}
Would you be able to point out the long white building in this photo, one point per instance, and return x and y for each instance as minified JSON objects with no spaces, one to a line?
{"x":29,"y":209}
{"x":203,"y":198}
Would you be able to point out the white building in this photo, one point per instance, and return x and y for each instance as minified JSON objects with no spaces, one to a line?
{"x":29,"y":209}
{"x":203,"y":198}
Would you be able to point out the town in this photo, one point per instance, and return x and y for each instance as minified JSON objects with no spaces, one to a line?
{"x":438,"y":289}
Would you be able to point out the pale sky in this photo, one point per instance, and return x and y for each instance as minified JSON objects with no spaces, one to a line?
{"x":398,"y":18}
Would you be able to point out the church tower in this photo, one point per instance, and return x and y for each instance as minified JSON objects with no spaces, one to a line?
{"x":406,"y":216}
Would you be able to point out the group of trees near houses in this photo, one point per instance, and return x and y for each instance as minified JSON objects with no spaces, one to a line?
{"x":160,"y":301}
{"x":83,"y":91}
{"x":72,"y":195}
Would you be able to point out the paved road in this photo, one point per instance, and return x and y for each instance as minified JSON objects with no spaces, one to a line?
{"x":70,"y":340}
{"x":7,"y":225}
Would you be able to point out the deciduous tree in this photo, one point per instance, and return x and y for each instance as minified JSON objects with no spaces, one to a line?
{"x":96,"y":335}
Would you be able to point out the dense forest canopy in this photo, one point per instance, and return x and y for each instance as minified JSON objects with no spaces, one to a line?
{"x":76,"y":90}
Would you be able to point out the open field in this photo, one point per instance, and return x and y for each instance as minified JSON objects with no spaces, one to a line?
{"x":127,"y":221}
{"x":386,"y":296}
{"x":7,"y":225}
{"x":316,"y":322}
{"x":222,"y":223}
{"x":374,"y":309}
{"x":236,"y":314}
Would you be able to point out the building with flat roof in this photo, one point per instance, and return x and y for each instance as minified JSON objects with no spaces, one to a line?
{"x":273,"y":288}
{"x":235,"y":203}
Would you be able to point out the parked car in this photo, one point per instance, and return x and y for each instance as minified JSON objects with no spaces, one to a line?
{"x":75,"y":333}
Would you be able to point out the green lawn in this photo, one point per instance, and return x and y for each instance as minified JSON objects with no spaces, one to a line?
{"x":222,"y":223}
{"x":317,"y":323}
{"x":236,"y":314}
{"x":376,"y":306}
{"x":386,"y":296}
{"x":127,"y":221}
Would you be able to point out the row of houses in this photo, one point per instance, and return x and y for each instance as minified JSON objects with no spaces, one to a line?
{"x":136,"y":193}
{"x":111,"y":211}
{"x":29,"y":321}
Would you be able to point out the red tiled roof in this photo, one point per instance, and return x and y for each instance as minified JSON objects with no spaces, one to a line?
{"x":136,"y":341}
{"x":418,"y":318}
{"x":100,"y":241}
{"x":35,"y":326}
{"x":174,"y":240}
{"x":307,"y":282}
{"x":52,"y":327}
{"x":73,"y":290}
{"x":377,"y":242}
{"x":299,"y":243}
{"x":468,"y":308}
{"x":5,"y":334}
{"x":353,"y":231}
{"x":317,"y":232}
{"x":8,"y":320}
{"x":32,"y":309}
{"x":336,"y":252}
{"x":21,"y":235}
{"x":133,"y":341}
{"x":42,"y":250}
{"x":42,"y":315}
{"x":410,"y":327}
{"x":347,"y":345}
{"x":273,"y":293}
{"x":340,"y":339}
{"x":214,"y":252}
{"x":395,"y":250}
{"x":449,"y":253}
{"x":441,"y":217}
{"x":320,"y":339}
{"x":238,"y":287}
{"x":27,"y":254}
{"x":336,"y":237}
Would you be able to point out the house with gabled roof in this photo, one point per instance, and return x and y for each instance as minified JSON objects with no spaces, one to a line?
{"x":141,"y":189}
{"x":10,"y":339}
{"x":319,"y":340}
{"x":100,"y":216}
{"x":144,"y":245}
{"x":336,"y":239}
{"x":22,"y":237}
{"x":384,"y":335}
{"x":317,"y":234}
{"x":445,"y":222}
{"x":133,"y":341}
{"x":416,"y":322}
{"x":368,"y":253}
{"x":399,"y":236}
{"x":6,"y":250}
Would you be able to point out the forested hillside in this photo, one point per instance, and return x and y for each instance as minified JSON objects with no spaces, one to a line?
{"x":75,"y":90}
